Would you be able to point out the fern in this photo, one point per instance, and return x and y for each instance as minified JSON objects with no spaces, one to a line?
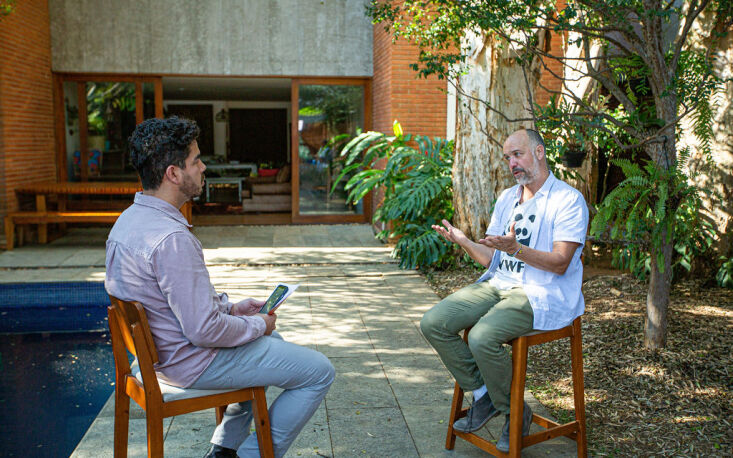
{"x":417,"y":190}
{"x":649,"y":203}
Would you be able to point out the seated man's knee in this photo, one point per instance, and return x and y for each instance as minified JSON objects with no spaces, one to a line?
{"x":483,"y":338}
{"x":426,"y":323}
{"x":430,"y":322}
{"x":325,"y":369}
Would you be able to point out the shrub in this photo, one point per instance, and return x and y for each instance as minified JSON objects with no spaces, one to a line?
{"x":725,"y":274}
{"x":417,"y":189}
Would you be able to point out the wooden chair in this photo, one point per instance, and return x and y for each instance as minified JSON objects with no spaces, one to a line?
{"x":129,"y":330}
{"x":574,"y":429}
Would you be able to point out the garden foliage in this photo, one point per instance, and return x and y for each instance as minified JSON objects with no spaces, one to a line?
{"x":414,"y":173}
{"x":725,"y":274}
{"x":648,"y":201}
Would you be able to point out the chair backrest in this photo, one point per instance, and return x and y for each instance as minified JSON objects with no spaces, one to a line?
{"x":127,"y":315}
{"x":129,"y":330}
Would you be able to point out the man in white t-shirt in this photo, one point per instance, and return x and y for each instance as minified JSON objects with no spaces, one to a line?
{"x":532,"y":249}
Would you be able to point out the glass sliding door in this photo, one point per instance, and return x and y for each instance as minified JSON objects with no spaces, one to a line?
{"x":324,"y":113}
{"x":100,"y":113}
{"x":111,"y":115}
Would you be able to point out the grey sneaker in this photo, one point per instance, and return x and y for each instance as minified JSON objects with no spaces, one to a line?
{"x":503,"y":443}
{"x":480,"y":412}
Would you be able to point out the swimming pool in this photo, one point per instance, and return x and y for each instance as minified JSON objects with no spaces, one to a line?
{"x":56,"y":366}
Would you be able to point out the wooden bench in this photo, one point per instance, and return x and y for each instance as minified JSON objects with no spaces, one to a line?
{"x":41,"y":217}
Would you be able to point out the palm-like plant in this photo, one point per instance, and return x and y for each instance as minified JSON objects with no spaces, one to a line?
{"x":417,"y":189}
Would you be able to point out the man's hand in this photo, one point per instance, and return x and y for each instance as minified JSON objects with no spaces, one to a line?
{"x":506,"y":243}
{"x":247,"y":307}
{"x":451,"y":233}
{"x":269,"y":321}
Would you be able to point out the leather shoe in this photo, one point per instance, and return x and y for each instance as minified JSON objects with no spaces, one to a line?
{"x":217,"y":451}
{"x":480,"y":412}
{"x":503,"y":443}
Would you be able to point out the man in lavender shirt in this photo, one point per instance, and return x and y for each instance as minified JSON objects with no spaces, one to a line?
{"x":204,"y":341}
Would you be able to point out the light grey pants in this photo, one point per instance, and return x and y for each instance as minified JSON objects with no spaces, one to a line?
{"x":304,"y":374}
{"x":497,"y":316}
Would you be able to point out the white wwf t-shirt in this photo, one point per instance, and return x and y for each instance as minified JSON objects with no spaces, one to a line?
{"x":509,"y":273}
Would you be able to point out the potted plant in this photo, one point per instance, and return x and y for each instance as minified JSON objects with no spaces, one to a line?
{"x":573,"y":155}
{"x":569,"y":136}
{"x":573,"y":145}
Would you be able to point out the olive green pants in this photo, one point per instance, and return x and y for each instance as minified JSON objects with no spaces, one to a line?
{"x":497,"y":316}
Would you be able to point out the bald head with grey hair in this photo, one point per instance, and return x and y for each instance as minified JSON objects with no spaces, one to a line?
{"x":535,"y":139}
{"x":524,"y":151}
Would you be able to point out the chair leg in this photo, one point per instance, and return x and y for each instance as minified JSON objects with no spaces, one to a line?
{"x":122,"y":421}
{"x":220,"y":413}
{"x":516,"y":403}
{"x":576,"y":355}
{"x":9,"y":233}
{"x":455,"y":410}
{"x":154,"y":422}
{"x":262,"y":422}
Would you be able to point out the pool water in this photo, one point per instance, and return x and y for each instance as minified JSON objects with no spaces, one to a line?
{"x":52,"y":386}
{"x":56,"y":365}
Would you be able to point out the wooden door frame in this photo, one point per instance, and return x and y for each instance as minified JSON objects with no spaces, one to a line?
{"x":59,"y":78}
{"x":297,"y":218}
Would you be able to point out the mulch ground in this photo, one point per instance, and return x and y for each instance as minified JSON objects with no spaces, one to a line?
{"x":673,"y":402}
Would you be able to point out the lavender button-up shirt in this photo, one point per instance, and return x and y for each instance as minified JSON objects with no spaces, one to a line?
{"x":153,"y":258}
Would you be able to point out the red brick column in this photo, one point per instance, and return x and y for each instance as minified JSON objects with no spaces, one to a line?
{"x":26,"y":101}
{"x":420,"y":105}
{"x":547,"y":79}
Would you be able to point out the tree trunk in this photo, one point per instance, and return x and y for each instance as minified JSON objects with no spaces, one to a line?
{"x":657,"y":299}
{"x":660,"y":281}
{"x":479,"y":171}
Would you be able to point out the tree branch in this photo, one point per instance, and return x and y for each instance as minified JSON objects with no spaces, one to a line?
{"x":692,"y":14}
{"x":460,"y":91}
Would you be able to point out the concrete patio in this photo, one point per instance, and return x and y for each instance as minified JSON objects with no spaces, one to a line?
{"x":392,"y":394}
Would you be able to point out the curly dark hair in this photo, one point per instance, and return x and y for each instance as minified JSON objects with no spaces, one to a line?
{"x":157,"y":143}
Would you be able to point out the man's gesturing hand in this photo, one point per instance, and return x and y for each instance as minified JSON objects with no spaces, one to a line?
{"x":506,"y":243}
{"x":450,"y":232}
{"x":247,"y":307}
{"x":269,"y":321}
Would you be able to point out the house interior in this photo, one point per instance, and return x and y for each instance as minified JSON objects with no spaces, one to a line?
{"x":246,"y":140}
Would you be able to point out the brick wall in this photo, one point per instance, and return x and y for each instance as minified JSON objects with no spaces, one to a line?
{"x":420,"y":105}
{"x":26,"y":101}
{"x":547,"y":79}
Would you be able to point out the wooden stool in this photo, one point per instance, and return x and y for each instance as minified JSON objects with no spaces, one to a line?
{"x":574,"y":430}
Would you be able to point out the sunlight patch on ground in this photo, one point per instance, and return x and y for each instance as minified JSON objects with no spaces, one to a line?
{"x":709,"y":310}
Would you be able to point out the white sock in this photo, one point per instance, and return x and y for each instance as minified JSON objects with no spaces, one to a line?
{"x":478,"y":393}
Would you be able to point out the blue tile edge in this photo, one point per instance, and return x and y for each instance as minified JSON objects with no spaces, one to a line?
{"x":53,"y":307}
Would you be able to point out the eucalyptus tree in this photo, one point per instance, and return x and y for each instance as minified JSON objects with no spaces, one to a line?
{"x":633,"y":55}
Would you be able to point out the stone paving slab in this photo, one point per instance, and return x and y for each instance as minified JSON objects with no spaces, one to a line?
{"x":391,"y":396}
{"x":374,"y":432}
{"x":338,"y":244}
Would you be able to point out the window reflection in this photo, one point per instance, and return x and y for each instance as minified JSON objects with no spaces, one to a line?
{"x":325,"y":113}
{"x":111,"y":120}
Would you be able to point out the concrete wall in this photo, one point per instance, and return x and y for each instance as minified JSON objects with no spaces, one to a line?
{"x":223,"y":37}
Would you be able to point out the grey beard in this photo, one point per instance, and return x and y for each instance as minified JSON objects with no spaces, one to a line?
{"x":526,"y":178}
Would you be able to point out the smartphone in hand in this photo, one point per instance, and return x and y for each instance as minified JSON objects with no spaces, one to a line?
{"x":276,"y":298}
